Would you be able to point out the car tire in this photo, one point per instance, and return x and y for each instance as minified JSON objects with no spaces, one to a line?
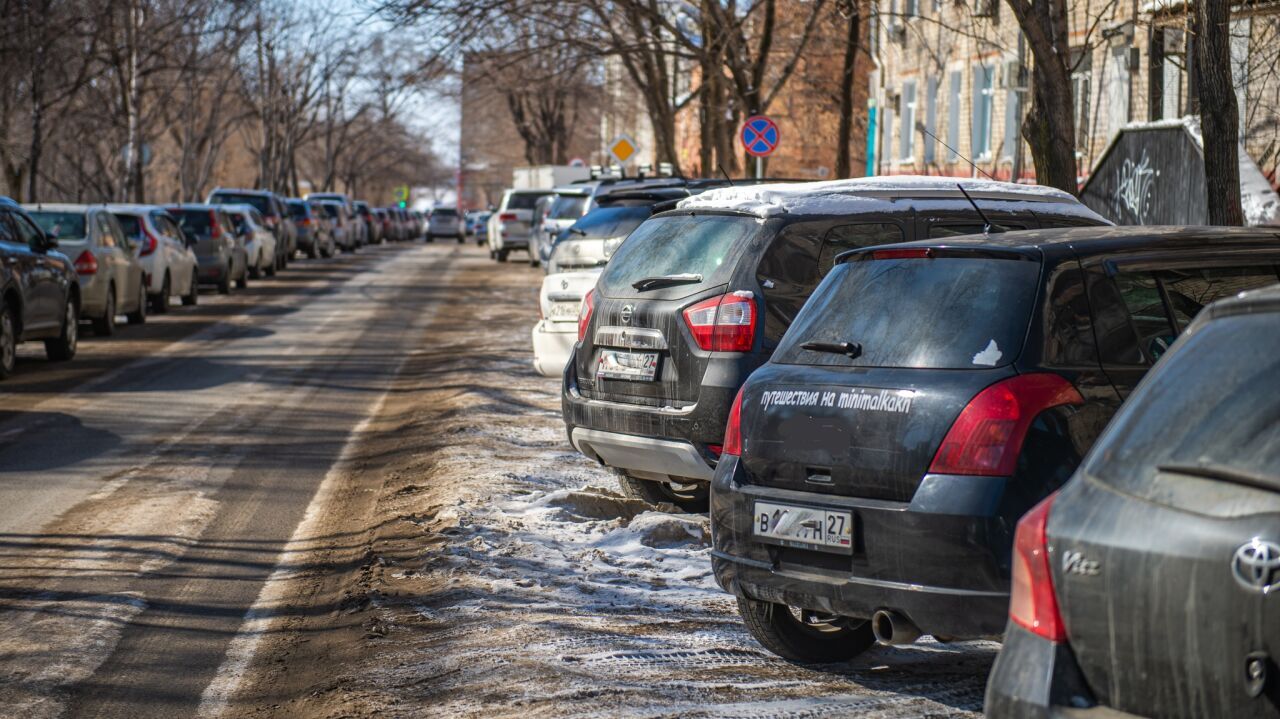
{"x":63,"y":347}
{"x":256,"y":271}
{"x":139,"y":316}
{"x":224,"y":287}
{"x":312,"y":252}
{"x":8,"y":339}
{"x":694,"y":501}
{"x":192,"y":298}
{"x":160,"y":304}
{"x":105,"y":326}
{"x":502,"y":255}
{"x":430,"y":239}
{"x":803,"y":636}
{"x":462,"y":240}
{"x":271,"y":268}
{"x":243,"y":281}
{"x":533,"y":260}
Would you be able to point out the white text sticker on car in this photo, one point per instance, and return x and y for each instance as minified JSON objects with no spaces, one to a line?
{"x":989,"y":356}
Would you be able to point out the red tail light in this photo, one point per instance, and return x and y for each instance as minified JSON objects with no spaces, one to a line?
{"x":909,"y":253}
{"x":149,"y":244}
{"x":215,"y":229}
{"x":1032,"y":603}
{"x":723,"y":324}
{"x":733,"y":428}
{"x":987,"y":436}
{"x":304,"y":222}
{"x":584,"y":314}
{"x":86,"y":263}
{"x":508,"y":217}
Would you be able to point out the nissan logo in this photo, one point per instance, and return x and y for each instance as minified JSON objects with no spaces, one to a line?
{"x":1256,"y":564}
{"x":627,"y":311}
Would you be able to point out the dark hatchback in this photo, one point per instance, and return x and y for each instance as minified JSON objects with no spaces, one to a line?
{"x":697,"y":298}
{"x":928,"y":396}
{"x":1147,"y":586}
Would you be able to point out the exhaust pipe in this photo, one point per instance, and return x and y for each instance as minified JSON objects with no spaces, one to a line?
{"x":893,"y":629}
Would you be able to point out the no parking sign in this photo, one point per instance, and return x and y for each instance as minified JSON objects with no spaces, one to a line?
{"x":759,"y":136}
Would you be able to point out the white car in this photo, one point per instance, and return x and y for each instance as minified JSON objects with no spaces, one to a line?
{"x":511,"y":224}
{"x":167,"y":259}
{"x":555,"y":334}
{"x":259,"y":242}
{"x":445,"y":223}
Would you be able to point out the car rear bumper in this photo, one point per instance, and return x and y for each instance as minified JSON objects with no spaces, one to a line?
{"x":642,"y":454}
{"x":1034,"y":678}
{"x":940,"y":560}
{"x":552,"y":344}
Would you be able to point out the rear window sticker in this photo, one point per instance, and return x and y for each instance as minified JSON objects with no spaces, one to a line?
{"x":989,"y":356}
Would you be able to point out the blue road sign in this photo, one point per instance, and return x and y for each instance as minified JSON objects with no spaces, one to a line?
{"x":759,"y":136}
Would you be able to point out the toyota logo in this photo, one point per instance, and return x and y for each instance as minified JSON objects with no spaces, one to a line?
{"x":1256,"y":564}
{"x":627,"y":311}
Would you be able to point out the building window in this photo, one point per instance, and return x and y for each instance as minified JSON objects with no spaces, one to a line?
{"x":910,"y":8}
{"x":1118,"y":83}
{"x":907,"y":134}
{"x":1081,"y":85}
{"x":983,"y":92}
{"x":931,"y":122}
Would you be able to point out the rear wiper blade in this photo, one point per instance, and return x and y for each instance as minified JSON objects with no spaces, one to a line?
{"x":1222,"y":474}
{"x":852,"y":350}
{"x":649,"y":283}
{"x":578,"y":231}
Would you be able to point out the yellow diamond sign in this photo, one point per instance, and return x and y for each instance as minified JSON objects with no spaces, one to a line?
{"x":623,"y":148}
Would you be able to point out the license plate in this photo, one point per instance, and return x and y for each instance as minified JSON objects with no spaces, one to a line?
{"x":807,"y":527}
{"x":635,"y":366}
{"x":564,"y":310}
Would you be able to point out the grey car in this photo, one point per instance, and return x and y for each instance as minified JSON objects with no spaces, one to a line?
{"x":220,"y":253}
{"x":109,"y":274}
{"x":315,"y":229}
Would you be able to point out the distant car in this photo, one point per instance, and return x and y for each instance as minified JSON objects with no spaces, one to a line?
{"x":419,"y":225}
{"x":559,"y":304}
{"x":480,"y":227}
{"x":444,"y":223}
{"x":165,"y":253}
{"x":357,"y":232}
{"x":275,"y":217}
{"x":220,"y":251}
{"x":589,"y":242}
{"x":372,"y":222}
{"x":383,"y":222}
{"x":109,"y":274}
{"x":343,"y":225}
{"x":259,"y":242}
{"x":315,"y":236}
{"x":1146,"y":586}
{"x":39,"y":294}
{"x":511,"y":225}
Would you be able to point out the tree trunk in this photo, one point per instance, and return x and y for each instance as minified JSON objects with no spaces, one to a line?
{"x":1219,"y":114}
{"x":844,"y":132}
{"x":1049,"y":126}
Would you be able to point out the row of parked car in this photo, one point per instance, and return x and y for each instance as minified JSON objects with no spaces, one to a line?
{"x":61,"y":264}
{"x":912,"y":408}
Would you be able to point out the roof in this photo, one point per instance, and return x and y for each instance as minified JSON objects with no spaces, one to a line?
{"x":1265,"y":300}
{"x":876,"y":194}
{"x":61,"y":206}
{"x":132,"y":207}
{"x":194,"y":206}
{"x":241,"y":190}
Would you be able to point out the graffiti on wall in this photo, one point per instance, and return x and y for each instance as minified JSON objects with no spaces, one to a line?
{"x":1134,"y":185}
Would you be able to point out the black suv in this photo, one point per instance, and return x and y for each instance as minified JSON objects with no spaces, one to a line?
{"x":275,"y":213}
{"x":928,"y":395}
{"x":698,"y":297}
{"x":1169,"y":537}
{"x":39,"y":294}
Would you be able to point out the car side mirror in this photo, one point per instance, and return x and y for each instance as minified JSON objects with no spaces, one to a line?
{"x":46,"y":242}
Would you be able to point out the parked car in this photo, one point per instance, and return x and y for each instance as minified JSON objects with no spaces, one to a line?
{"x":259,"y":242}
{"x":220,"y":252}
{"x":1144,"y":588}
{"x":699,"y":297}
{"x":343,"y":225}
{"x":357,"y":232}
{"x":445,"y":223}
{"x":592,"y":240}
{"x":511,"y":225}
{"x":480,"y":227}
{"x":382,"y":222}
{"x":372,"y":220}
{"x":564,"y":208}
{"x":275,"y":217}
{"x":315,"y":236}
{"x":965,"y":388}
{"x":165,"y":254}
{"x":39,"y":294}
{"x":419,"y":225}
{"x":107,"y":270}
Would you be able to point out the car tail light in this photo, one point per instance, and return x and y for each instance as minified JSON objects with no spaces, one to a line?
{"x":508,"y":217}
{"x":987,"y":436}
{"x":304,"y":222}
{"x":732,"y":446}
{"x":215,"y":229}
{"x":909,"y":253}
{"x":584,"y":314}
{"x":86,"y":263}
{"x":149,"y":243}
{"x":1032,"y":602}
{"x":723,"y":324}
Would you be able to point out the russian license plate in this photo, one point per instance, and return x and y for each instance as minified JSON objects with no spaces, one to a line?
{"x":620,"y":364}
{"x":806,"y":527}
{"x":564,"y":310}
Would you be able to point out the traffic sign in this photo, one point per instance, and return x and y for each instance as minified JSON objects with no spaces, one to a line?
{"x":623,"y":148}
{"x":759,"y":136}
{"x":402,"y":193}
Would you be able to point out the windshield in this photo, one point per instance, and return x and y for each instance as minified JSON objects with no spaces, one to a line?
{"x":444,"y":212}
{"x":524,"y":200}
{"x":298,"y":210}
{"x":568,"y":207}
{"x":330,"y":210}
{"x":678,"y":245}
{"x":62,"y":225}
{"x":258,"y":202}
{"x":608,"y":222}
{"x":193,"y":222}
{"x":940,"y":313}
{"x":131,"y":224}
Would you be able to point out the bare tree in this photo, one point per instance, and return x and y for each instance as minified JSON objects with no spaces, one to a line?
{"x":1219,"y":113}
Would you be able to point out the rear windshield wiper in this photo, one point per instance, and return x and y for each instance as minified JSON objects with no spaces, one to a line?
{"x":578,"y":231}
{"x":649,"y":283}
{"x":1222,"y":474}
{"x":852,"y":350}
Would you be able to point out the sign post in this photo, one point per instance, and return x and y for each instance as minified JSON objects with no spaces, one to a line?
{"x":759,"y":138}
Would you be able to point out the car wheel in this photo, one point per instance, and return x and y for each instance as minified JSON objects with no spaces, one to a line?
{"x":312,"y":252}
{"x":256,"y":271}
{"x":533,"y":260}
{"x":693,"y":497}
{"x":502,"y":255}
{"x":243,"y":280}
{"x":271,"y":268}
{"x":160,"y":304}
{"x":801,"y":635}
{"x":8,"y":340}
{"x":64,"y":347}
{"x":192,"y":298}
{"x":462,"y":240}
{"x":105,"y":326}
{"x":224,"y":287}
{"x":139,"y":315}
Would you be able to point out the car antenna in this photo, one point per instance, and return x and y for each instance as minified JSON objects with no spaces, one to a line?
{"x":726,"y":175}
{"x":954,"y":151}
{"x":986,"y":223}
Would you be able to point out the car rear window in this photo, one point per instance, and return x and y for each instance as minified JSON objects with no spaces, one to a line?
{"x":676,"y":245}
{"x":298,"y":210}
{"x":259,"y":202}
{"x":568,"y":207}
{"x":609,"y":222}
{"x":193,"y":222}
{"x":330,"y":210}
{"x":131,"y":224}
{"x":944,"y":312}
{"x":1208,"y":406}
{"x":445,"y":212}
{"x":524,"y":200}
{"x":62,"y":225}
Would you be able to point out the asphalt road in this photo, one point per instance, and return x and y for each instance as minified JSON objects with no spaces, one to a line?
{"x":149,"y":487}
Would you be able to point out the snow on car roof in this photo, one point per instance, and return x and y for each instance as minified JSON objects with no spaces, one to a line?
{"x":871,"y":194}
